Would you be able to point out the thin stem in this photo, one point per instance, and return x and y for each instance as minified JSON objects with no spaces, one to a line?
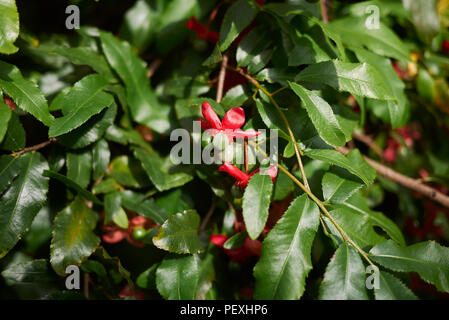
{"x":208,"y":216}
{"x":369,"y":142}
{"x":34,"y":148}
{"x":324,"y":13}
{"x":284,"y":119}
{"x":221,"y":78}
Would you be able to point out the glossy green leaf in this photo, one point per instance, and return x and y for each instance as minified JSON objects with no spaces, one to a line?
{"x":321,"y":115}
{"x":147,"y":279}
{"x":359,"y":79}
{"x":100,"y":158}
{"x":236,"y":241}
{"x":429,"y":259}
{"x":91,"y":131}
{"x":144,"y":106}
{"x":25,"y":93}
{"x":178,"y":234}
{"x":89,"y":57}
{"x":22,"y":200}
{"x":85,"y":99}
{"x":353,"y":162}
{"x":162,"y":172}
{"x":145,"y":207}
{"x":73,"y":237}
{"x":9,"y":28}
{"x":10,"y":167}
{"x":382,"y":41}
{"x":140,"y":23}
{"x":15,"y":135}
{"x":358,"y":226}
{"x":286,"y":253}
{"x":128,"y":172}
{"x":114,"y":211}
{"x":34,"y":271}
{"x":237,"y":17}
{"x":72,"y":185}
{"x":79,"y":166}
{"x":338,"y":186}
{"x":358,"y":204}
{"x":345,"y":275}
{"x":256,"y":202}
{"x":391,"y":288}
{"x":399,"y":108}
{"x":177,"y":277}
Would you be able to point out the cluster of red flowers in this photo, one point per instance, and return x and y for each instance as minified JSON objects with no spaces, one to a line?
{"x":409,"y":134}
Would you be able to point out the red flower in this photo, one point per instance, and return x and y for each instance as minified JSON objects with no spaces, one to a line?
{"x":232,"y":121}
{"x":127,"y":292}
{"x":249,"y":249}
{"x":10,"y":103}
{"x":445,"y":46}
{"x":114,"y":233}
{"x":243,"y":178}
{"x":402,"y":72}
{"x":202,"y":31}
{"x":409,"y":134}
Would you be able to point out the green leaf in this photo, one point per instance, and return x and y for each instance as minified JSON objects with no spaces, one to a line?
{"x":25,"y":93}
{"x":73,"y":237}
{"x":100,"y":156}
{"x":429,"y":259}
{"x":72,"y":185}
{"x":144,"y":207}
{"x":382,"y":41}
{"x":337,"y":187}
{"x":85,"y":99}
{"x":237,"y":17}
{"x":236,"y":241}
{"x":256,"y":202}
{"x":359,"y":79}
{"x":15,"y":136}
{"x":179,"y":233}
{"x":398,"y":108}
{"x":5,"y":116}
{"x":358,"y":226}
{"x":144,"y":106}
{"x":89,"y":57}
{"x":147,"y":279}
{"x":22,"y":200}
{"x":391,"y":288}
{"x":358,"y":205}
{"x":290,"y":241}
{"x":321,"y":114}
{"x":9,"y":169}
{"x":34,"y":271}
{"x":140,"y":23}
{"x":235,"y":97}
{"x":353,"y":162}
{"x":9,"y":28}
{"x":177,"y":277}
{"x":91,"y":131}
{"x":128,"y":172}
{"x":162,"y":172}
{"x":345,"y":275}
{"x":79,"y":165}
{"x":114,"y":211}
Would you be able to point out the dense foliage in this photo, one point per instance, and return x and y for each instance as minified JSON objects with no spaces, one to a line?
{"x":356,"y":91}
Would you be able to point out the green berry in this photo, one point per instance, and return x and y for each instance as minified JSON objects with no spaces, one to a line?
{"x":139,"y":233}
